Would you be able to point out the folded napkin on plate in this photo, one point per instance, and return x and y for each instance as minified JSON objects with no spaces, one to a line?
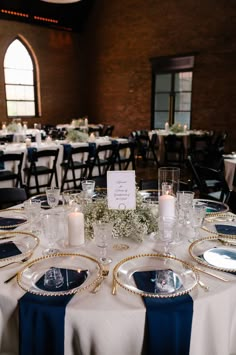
{"x":169,"y":320}
{"x":7,"y":222}
{"x":41,"y":329}
{"x":225,"y":229}
{"x":8,"y":249}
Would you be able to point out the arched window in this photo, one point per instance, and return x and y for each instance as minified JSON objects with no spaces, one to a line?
{"x":19,"y":81}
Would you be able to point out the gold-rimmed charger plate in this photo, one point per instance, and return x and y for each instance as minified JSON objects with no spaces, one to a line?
{"x":213,"y":206}
{"x":225,"y":219}
{"x":124,"y":272}
{"x":30,"y":278}
{"x":12,"y":218}
{"x":43,"y":199}
{"x":21,"y":244}
{"x":215,"y":253}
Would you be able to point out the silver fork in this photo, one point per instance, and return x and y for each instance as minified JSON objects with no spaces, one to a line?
{"x":16,"y":262}
{"x":100,"y":281}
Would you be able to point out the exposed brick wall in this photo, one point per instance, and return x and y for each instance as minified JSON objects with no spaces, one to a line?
{"x":60,"y":61}
{"x":115,"y":77}
{"x":123,"y":34}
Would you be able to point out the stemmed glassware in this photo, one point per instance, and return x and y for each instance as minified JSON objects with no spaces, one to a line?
{"x":184,"y":206}
{"x":197,"y":215}
{"x":167,"y":231}
{"x":32,"y":210}
{"x":53,"y":196}
{"x":102,"y":235}
{"x":88,"y":188}
{"x":50,"y":224}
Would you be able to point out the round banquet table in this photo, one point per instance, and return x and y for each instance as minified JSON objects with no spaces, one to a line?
{"x":105,"y":324}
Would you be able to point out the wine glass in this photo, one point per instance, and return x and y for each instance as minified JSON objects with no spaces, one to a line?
{"x":197,"y":215}
{"x":102,"y":234}
{"x":53,"y":196}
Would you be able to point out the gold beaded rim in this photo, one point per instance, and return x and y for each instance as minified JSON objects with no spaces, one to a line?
{"x":9,"y":235}
{"x":223,"y":215}
{"x":62,"y":293}
{"x":201,"y":261}
{"x":14,"y":210}
{"x":152,"y":295}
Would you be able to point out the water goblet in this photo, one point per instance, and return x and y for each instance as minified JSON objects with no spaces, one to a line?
{"x":102,"y":236}
{"x":51,"y":233}
{"x":88,"y":188}
{"x":167,"y":231}
{"x":53,"y":196}
{"x":32,"y":209}
{"x":184,"y":205}
{"x":197,"y":215}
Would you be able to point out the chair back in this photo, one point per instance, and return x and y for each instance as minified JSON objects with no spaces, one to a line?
{"x":13,"y":167}
{"x":11,"y":196}
{"x":125,"y":155}
{"x":103,"y":160}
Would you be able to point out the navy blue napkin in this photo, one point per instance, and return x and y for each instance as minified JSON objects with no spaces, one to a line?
{"x":169,"y":320}
{"x":225,"y":229}
{"x":8,"y":249}
{"x":2,"y":165}
{"x":7,"y":222}
{"x":67,"y":151}
{"x":31,"y":154}
{"x":92,"y":149}
{"x":41,"y":329}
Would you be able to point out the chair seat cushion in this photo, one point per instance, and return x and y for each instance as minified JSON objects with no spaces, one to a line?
{"x":7,"y":175}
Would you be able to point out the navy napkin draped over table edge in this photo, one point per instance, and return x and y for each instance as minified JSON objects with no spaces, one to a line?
{"x":31,"y":154}
{"x":225,"y":229}
{"x":2,"y":165}
{"x":169,"y":320}
{"x":41,"y":318}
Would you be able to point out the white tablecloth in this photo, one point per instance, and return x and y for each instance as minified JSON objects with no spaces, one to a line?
{"x":230,"y":165}
{"x":104,"y":324}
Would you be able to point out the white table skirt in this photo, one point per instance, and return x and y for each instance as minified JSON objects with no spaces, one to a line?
{"x":104,"y":324}
{"x":21,"y":147}
{"x":230,"y":165}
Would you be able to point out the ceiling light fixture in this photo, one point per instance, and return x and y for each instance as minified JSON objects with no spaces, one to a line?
{"x":61,"y":1}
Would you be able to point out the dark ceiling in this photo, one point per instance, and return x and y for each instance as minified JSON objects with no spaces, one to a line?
{"x":68,"y":17}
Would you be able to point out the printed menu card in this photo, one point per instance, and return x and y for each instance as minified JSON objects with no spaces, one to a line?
{"x":121,"y":191}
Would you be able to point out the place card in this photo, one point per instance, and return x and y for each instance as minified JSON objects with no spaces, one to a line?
{"x":121,"y":191}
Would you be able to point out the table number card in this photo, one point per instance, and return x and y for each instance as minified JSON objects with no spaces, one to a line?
{"x":121,"y":191}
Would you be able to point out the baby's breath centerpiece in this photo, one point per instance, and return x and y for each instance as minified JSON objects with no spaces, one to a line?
{"x":177,"y":128}
{"x":76,"y":136}
{"x":133,"y":224}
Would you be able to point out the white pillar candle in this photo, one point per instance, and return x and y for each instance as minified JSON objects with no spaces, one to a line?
{"x":167,"y":206}
{"x":185,"y":128}
{"x":167,"y":126}
{"x":75,"y":228}
{"x":28,"y":142}
{"x":38,"y":138}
